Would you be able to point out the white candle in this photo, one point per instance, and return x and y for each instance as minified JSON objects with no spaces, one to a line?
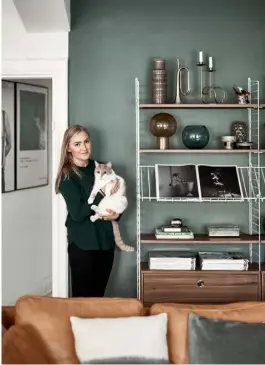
{"x":210,"y":62}
{"x":200,"y":57}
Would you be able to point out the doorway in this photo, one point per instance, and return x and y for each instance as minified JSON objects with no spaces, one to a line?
{"x":53,"y":73}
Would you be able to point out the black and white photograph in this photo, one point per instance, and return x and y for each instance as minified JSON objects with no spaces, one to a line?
{"x":220,"y":182}
{"x":176,"y":181}
{"x":8,"y":137}
{"x":32,"y":136}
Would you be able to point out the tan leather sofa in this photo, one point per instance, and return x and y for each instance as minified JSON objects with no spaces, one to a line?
{"x":42,"y":333}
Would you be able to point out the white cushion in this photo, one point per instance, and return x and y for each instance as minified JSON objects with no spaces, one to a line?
{"x":121,"y":340}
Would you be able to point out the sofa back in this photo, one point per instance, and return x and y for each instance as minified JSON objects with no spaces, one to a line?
{"x":50,"y":318}
{"x":178,"y":315}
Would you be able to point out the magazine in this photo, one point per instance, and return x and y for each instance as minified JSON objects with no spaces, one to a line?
{"x":198,"y":182}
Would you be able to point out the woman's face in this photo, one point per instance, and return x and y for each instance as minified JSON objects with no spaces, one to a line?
{"x":80,"y":148}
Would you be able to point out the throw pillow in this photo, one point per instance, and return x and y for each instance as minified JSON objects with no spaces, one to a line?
{"x":213,"y":341}
{"x":133,"y":340}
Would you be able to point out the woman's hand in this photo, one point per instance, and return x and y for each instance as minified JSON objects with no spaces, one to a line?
{"x":112,"y":215}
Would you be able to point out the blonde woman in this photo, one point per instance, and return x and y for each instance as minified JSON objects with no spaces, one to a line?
{"x":90,"y":245}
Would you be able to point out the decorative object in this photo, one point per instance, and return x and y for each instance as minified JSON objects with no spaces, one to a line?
{"x":240,"y":131}
{"x":229,"y":142}
{"x":159,"y":82}
{"x":8,"y":137}
{"x":244,"y":145}
{"x":176,"y":222}
{"x":242,"y":95}
{"x":179,"y":90}
{"x":163,"y":126}
{"x":176,"y":181}
{"x":219,"y":182}
{"x":145,"y":341}
{"x":201,"y":64}
{"x":195,"y":136}
{"x":210,"y":94}
{"x":32,"y":136}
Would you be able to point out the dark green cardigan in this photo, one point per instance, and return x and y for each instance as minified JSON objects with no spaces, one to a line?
{"x":84,"y":233}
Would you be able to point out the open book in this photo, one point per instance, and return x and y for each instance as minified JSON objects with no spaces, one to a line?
{"x":196,"y":182}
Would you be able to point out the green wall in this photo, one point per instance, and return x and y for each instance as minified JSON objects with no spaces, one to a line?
{"x":111,"y":43}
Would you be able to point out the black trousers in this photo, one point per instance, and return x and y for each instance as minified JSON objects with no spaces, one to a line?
{"x":90,"y":271}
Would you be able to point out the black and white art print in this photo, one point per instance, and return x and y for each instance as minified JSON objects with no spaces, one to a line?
{"x":176,"y":181}
{"x":8,"y":137}
{"x":220,"y":182}
{"x":32,"y":136}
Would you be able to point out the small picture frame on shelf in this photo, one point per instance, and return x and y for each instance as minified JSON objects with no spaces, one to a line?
{"x":178,"y":182}
{"x":220,"y":182}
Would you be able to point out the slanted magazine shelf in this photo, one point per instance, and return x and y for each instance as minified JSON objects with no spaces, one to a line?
{"x":156,"y":285}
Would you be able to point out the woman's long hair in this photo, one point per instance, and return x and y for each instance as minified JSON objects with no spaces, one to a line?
{"x":66,"y":161}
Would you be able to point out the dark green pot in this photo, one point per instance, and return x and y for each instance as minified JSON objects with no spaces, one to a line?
{"x":195,"y":136}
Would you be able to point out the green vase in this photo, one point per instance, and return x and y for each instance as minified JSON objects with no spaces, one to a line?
{"x":195,"y":136}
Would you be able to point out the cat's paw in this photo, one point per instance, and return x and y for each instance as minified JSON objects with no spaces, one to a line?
{"x":90,"y":200}
{"x":93,"y":207}
{"x":93,"y":218}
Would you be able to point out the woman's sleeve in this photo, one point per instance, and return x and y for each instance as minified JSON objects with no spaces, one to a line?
{"x":76,"y":206}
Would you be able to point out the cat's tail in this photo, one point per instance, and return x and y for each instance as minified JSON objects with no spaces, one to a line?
{"x":118,"y":240}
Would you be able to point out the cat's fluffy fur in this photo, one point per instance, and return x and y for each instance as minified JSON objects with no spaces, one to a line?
{"x":105,"y":178}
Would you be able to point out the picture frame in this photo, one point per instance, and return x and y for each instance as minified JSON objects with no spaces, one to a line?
{"x":220,"y":182}
{"x":176,"y":181}
{"x":32,"y":136}
{"x":8,"y":135}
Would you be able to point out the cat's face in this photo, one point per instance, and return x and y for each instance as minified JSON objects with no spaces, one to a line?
{"x":103,"y":171}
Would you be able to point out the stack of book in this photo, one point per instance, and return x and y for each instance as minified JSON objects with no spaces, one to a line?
{"x":223,"y":261}
{"x":172,"y":260}
{"x":224,"y":230}
{"x":171,"y":232}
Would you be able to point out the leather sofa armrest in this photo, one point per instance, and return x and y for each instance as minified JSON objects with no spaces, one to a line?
{"x":22,"y":344}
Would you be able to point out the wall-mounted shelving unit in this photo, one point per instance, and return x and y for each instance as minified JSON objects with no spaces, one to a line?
{"x":169,"y":285}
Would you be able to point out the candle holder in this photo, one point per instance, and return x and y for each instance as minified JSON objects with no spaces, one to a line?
{"x":201,"y":64}
{"x":209,"y":93}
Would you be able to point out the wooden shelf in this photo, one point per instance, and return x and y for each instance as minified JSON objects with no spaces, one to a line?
{"x":200,"y":151}
{"x":251,"y":268}
{"x":200,"y":106}
{"x":203,"y":239}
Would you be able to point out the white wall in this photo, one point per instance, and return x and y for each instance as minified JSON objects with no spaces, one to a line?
{"x":27,"y":224}
{"x":27,"y":233}
{"x":17,"y":44}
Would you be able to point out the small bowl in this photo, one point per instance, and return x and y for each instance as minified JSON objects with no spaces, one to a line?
{"x":228,"y":142}
{"x":228,"y":138}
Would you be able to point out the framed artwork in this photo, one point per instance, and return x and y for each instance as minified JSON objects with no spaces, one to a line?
{"x":8,"y":136}
{"x":32,"y":136}
{"x":176,"y":181}
{"x":220,"y":182}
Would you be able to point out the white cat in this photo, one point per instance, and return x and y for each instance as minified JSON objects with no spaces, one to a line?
{"x":117,"y":201}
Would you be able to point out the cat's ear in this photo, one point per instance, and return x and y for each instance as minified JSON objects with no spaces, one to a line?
{"x":109,"y":165}
{"x":96,"y":164}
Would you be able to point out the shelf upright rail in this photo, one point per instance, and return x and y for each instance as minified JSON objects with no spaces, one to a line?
{"x":138,"y":193}
{"x":254,"y":172}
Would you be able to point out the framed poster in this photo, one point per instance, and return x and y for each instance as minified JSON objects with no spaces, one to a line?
{"x":32,"y":136}
{"x":8,"y":136}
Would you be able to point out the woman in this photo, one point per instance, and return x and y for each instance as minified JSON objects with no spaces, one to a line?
{"x":90,"y":245}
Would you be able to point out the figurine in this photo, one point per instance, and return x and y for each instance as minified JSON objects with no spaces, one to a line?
{"x":242,"y":95}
